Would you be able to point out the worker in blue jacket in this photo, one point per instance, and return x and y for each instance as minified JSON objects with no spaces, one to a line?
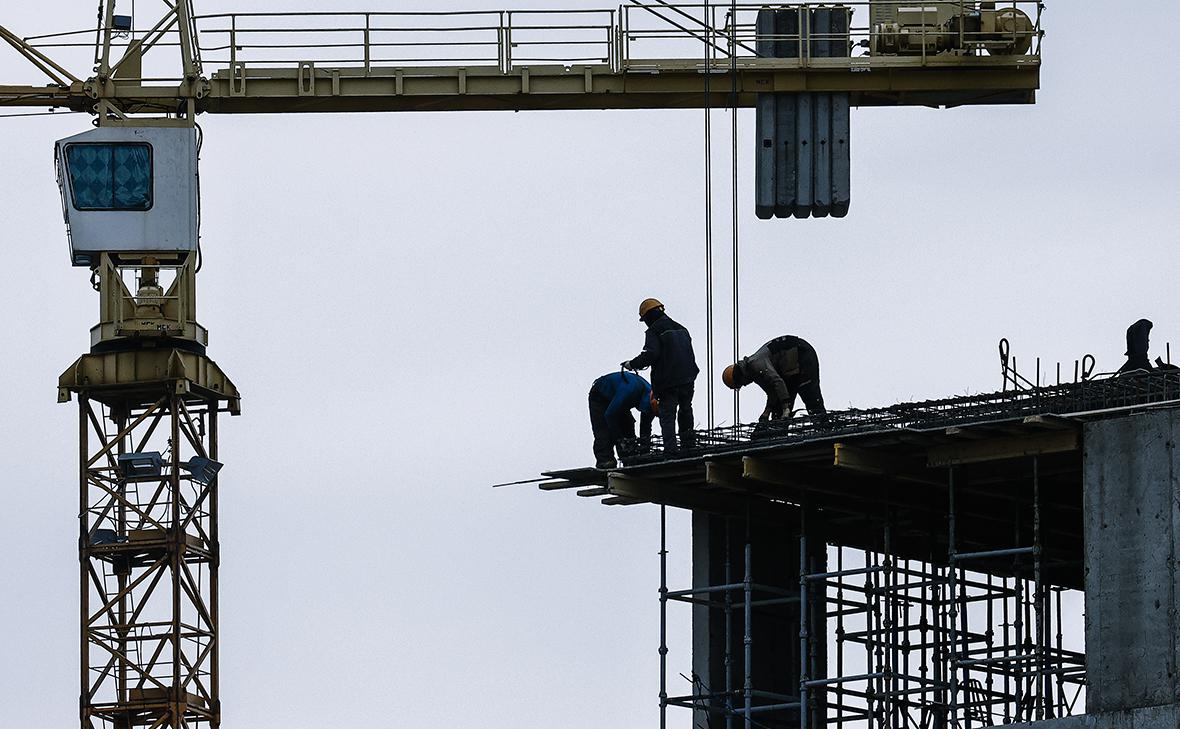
{"x":612,"y":397}
{"x":667,"y":349}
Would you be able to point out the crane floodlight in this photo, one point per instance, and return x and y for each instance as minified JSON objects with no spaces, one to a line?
{"x":129,"y":190}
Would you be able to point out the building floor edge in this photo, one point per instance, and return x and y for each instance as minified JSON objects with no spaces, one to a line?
{"x":1152,"y":717}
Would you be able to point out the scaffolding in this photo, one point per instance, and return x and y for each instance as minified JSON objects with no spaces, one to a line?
{"x":967,"y":638}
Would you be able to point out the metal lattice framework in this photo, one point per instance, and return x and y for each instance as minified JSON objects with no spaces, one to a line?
{"x":149,"y":560}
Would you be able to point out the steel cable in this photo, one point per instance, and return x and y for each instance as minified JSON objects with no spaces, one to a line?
{"x":709,"y":324}
{"x":733,"y":24}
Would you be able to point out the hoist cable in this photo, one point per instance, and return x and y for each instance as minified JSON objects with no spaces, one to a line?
{"x":733,"y":74}
{"x":710,"y":360}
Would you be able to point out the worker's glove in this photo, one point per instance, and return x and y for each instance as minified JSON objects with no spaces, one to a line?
{"x":627,"y":365}
{"x":785,"y":413}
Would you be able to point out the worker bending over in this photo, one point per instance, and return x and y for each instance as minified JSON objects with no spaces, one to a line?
{"x":612,"y":397}
{"x":667,"y":349}
{"x":783,"y":368}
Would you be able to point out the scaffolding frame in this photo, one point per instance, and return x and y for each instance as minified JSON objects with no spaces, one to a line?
{"x":907,"y":644}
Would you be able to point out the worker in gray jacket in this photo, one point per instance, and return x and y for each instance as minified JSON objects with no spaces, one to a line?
{"x":783,"y":368}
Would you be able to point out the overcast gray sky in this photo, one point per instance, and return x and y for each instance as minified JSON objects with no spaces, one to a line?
{"x":414,"y":307}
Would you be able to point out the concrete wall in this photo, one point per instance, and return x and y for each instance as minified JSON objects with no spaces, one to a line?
{"x":1132,"y":522}
{"x":1156,"y":717}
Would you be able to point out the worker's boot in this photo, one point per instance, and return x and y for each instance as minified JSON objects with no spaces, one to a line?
{"x":606,"y":464}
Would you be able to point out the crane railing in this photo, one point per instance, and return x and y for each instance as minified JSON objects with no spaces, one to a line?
{"x":649,"y":53}
{"x":627,"y":38}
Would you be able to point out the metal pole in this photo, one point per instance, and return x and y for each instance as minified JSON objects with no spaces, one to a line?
{"x":663,"y":617}
{"x":839,"y":634}
{"x":1019,"y":627}
{"x":804,"y":633}
{"x":107,"y":18}
{"x":176,"y":539}
{"x":728,"y":631}
{"x":953,"y":596}
{"x":214,"y":570}
{"x":891,"y":622}
{"x":368,"y":47}
{"x":84,"y":557}
{"x":938,"y":632}
{"x":121,"y":576}
{"x":1038,"y":605}
{"x":748,"y":639}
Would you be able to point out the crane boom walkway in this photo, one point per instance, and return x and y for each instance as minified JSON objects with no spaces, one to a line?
{"x":653,"y":55}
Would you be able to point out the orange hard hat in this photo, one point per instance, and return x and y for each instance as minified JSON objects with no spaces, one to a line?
{"x":648,"y":305}
{"x":727,"y":377}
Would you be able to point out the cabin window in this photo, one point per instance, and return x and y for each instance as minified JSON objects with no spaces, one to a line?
{"x":110,"y":176}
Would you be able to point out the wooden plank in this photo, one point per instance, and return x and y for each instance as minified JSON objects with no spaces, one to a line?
{"x":969,"y":433}
{"x":677,"y":495}
{"x":766,"y":471}
{"x":1050,"y":422}
{"x":559,"y":485}
{"x":999,"y":449}
{"x":621,"y":501}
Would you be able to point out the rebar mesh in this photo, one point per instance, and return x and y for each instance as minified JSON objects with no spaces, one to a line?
{"x":1087,"y":397}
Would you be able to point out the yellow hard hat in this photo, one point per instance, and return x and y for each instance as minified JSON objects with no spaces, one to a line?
{"x":648,"y":305}
{"x":727,"y":377}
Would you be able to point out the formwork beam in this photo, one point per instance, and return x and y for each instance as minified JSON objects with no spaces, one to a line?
{"x":1000,"y":449}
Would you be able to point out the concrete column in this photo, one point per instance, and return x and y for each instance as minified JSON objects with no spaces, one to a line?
{"x":775,"y":629}
{"x":1132,"y":528}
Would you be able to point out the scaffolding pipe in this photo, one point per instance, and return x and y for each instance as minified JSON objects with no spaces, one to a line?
{"x":748,"y":638}
{"x":993,"y":553}
{"x":1037,"y":588}
{"x":728,"y":630}
{"x":952,"y":574}
{"x":663,"y":616}
{"x":804,"y":586}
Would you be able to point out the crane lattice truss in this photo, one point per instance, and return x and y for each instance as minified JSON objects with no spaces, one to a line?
{"x":149,"y":559}
{"x":638,"y":55}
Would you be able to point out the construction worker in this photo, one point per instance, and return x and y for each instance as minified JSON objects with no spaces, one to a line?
{"x":1138,"y":339}
{"x":612,"y":397}
{"x":1138,"y":342}
{"x":783,"y":368}
{"x":667,"y":349}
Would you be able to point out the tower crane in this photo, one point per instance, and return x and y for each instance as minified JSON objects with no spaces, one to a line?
{"x":149,"y":395}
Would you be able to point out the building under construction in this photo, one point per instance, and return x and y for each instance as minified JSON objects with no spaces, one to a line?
{"x":927,"y":565}
{"x":930,"y":564}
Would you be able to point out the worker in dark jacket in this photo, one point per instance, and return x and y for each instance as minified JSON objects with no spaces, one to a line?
{"x":667,"y":349}
{"x":783,"y":368}
{"x":1138,"y":342}
{"x":612,"y":397}
{"x":1138,"y":339}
